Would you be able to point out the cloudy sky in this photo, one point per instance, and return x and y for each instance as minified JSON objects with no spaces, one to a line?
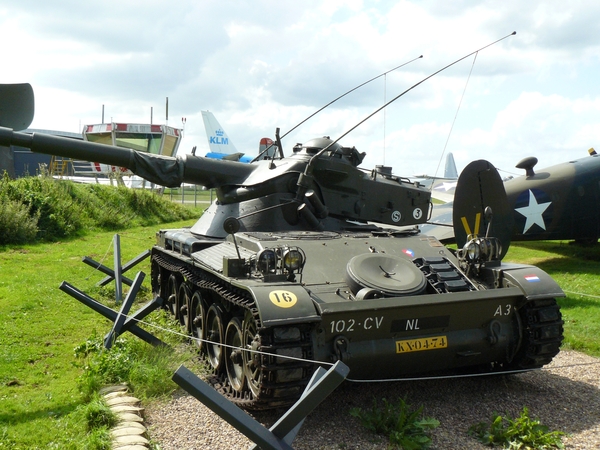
{"x":262,"y":64}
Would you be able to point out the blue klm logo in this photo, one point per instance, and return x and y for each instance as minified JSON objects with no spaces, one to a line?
{"x":219,"y":139}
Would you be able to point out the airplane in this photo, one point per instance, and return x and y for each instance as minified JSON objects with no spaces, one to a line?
{"x":557,"y":203}
{"x":221,"y":146}
{"x":442,"y":188}
{"x":560,"y":202}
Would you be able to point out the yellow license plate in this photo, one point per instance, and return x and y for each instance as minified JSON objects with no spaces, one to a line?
{"x":419,"y":345}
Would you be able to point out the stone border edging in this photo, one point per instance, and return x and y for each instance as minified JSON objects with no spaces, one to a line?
{"x":130,"y":433}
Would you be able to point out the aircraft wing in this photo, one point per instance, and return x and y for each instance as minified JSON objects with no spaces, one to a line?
{"x":233,"y":156}
{"x":443,"y":189}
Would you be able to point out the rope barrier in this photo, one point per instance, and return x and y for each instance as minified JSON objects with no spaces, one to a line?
{"x":582,"y":294}
{"x":206,"y":341}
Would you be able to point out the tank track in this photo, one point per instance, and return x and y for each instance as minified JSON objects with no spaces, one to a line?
{"x":279,"y":381}
{"x":542,"y":325}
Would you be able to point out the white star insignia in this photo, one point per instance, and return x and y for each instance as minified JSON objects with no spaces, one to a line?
{"x":533,"y":213}
{"x":446,"y":186}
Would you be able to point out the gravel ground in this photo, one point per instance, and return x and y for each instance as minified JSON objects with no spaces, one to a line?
{"x":564,"y":396}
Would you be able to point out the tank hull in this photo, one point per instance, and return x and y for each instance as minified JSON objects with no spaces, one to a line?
{"x":504,"y":319}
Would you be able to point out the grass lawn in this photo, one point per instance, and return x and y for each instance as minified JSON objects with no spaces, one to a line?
{"x":41,"y":326}
{"x":577,"y":270}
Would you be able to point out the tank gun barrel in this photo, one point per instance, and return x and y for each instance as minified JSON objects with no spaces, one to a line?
{"x":162,"y":170}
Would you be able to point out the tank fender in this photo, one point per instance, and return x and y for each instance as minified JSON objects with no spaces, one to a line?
{"x":284,"y":304}
{"x":533,"y":281}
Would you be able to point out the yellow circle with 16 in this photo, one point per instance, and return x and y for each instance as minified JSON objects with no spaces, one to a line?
{"x":283,"y":299}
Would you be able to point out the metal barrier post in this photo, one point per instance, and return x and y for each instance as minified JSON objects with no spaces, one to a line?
{"x":122,"y":315}
{"x":130,"y":324}
{"x":117,"y":266}
{"x":121,"y":321}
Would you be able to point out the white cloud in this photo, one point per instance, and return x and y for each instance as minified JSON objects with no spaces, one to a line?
{"x":266,"y":64}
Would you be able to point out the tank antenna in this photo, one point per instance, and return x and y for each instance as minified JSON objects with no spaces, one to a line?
{"x":278,"y":140}
{"x":309,"y":167}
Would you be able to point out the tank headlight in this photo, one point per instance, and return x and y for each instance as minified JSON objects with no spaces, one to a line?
{"x":266,"y":261}
{"x":472,"y":250}
{"x":481,"y":250}
{"x":293,"y":260}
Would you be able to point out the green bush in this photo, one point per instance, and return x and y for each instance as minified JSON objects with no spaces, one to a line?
{"x":52,"y":202}
{"x":404,"y":426}
{"x":17,"y":225}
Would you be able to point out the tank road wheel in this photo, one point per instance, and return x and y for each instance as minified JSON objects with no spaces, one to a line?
{"x":172,"y":292}
{"x":181,"y":305}
{"x":215,"y":334}
{"x":251,"y":360}
{"x":233,"y":355}
{"x":196,"y":319}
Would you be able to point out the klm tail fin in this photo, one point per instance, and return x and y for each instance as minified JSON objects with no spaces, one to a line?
{"x":221,"y":147}
{"x":218,"y":141}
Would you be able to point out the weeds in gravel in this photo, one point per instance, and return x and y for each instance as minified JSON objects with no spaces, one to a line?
{"x":404,"y":426}
{"x":519,"y":433}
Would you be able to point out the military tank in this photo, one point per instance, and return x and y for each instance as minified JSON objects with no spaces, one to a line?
{"x":309,"y":259}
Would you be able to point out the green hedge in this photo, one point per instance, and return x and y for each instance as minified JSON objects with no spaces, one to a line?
{"x":36,"y":209}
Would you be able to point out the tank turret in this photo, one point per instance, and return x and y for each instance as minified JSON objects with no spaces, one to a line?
{"x":318,"y":187}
